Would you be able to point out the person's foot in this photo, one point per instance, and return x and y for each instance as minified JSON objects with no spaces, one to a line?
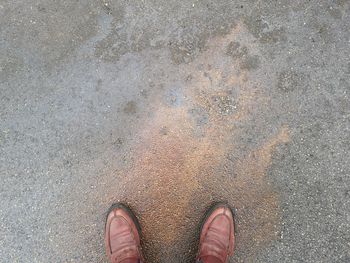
{"x":122,"y":236}
{"x":217,"y":235}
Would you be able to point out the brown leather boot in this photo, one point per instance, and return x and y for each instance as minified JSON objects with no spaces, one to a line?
{"x":122,"y":236}
{"x":217,"y":235}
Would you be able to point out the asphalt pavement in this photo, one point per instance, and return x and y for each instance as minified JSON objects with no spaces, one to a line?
{"x":170,"y":106}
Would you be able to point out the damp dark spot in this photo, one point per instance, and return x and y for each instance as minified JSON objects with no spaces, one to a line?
{"x":263,"y":32}
{"x":130,"y":107}
{"x":200,"y":115}
{"x":98,"y":85}
{"x":274,"y":36}
{"x":250,"y":62}
{"x":235,"y":50}
{"x":287,"y":81}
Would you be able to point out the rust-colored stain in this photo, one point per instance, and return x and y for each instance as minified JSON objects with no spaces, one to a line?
{"x":185,"y":159}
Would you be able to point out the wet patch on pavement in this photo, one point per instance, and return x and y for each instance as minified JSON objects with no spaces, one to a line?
{"x":185,"y":159}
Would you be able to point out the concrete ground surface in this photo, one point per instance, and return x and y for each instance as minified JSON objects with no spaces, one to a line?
{"x":170,"y":106}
